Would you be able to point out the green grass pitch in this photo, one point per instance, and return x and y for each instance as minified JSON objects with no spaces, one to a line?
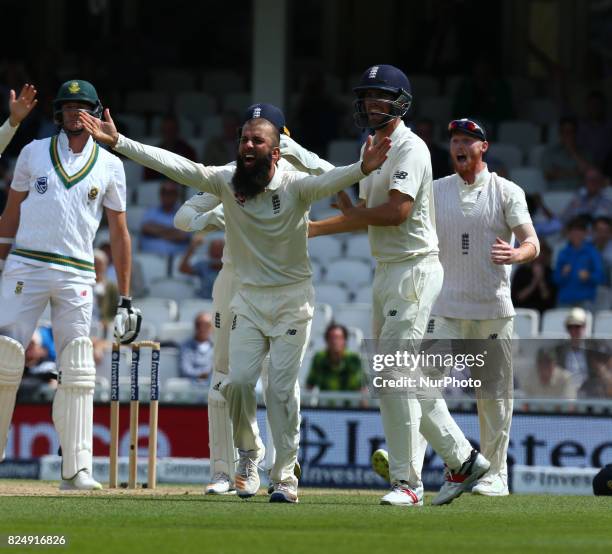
{"x":324,"y":521}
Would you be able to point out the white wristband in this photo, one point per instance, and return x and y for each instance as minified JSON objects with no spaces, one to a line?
{"x":6,"y":240}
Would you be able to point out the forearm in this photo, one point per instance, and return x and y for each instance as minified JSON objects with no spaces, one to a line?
{"x":339,"y":178}
{"x":190,"y":219}
{"x":121,"y":248}
{"x":526,"y":252}
{"x":173,"y":166}
{"x":8,"y":229}
{"x":334,"y":225}
{"x":7,"y":132}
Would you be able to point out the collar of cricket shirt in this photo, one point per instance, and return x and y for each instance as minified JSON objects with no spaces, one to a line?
{"x":275,"y":182}
{"x":59,"y":147}
{"x":481,"y":179}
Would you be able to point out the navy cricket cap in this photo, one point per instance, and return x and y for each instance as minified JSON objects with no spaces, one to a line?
{"x":468,"y":126}
{"x":268,"y":112}
{"x":602,"y":482}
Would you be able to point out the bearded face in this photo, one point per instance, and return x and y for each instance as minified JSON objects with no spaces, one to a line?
{"x":252,"y":176}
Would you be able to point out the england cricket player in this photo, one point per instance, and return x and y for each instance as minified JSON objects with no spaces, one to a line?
{"x":203,"y":212}
{"x":19,"y":108}
{"x":60,"y":186}
{"x":266,"y":214}
{"x":397,"y":209}
{"x":479,"y":213}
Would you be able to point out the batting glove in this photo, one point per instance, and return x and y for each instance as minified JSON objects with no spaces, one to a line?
{"x":127,"y":321}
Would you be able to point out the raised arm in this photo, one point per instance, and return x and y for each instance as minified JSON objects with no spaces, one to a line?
{"x":19,"y":108}
{"x":173,"y":166}
{"x":304,"y":160}
{"x":202,"y":212}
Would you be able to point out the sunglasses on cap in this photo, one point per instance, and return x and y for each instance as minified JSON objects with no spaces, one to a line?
{"x":466,"y":125}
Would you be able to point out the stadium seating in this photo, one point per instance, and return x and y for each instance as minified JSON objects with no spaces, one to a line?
{"x":177,"y":288}
{"x":237,"y":101}
{"x":322,"y":318}
{"x":530,"y":179}
{"x":355,"y":315}
{"x":603,"y":324}
{"x":135,"y":215}
{"x":557,"y":201}
{"x":343,"y":152}
{"x":147,"y":194}
{"x":153,"y":266}
{"x":424,"y":86}
{"x":526,"y":323}
{"x":535,"y":155}
{"x":158,"y":310}
{"x":211,"y":126}
{"x":509,"y":155}
{"x":436,"y":108}
{"x":147,"y":102}
{"x":133,"y":172}
{"x":190,"y":308}
{"x":187,"y":126}
{"x":172,"y":80}
{"x":331,"y":293}
{"x":324,"y":249}
{"x":351,"y":272}
{"x":553,"y":322}
{"x":221,"y":81}
{"x":363,"y":295}
{"x":358,"y":246}
{"x":132,"y":125}
{"x":523,"y":134}
{"x":542,"y":111}
{"x":195,"y":105}
{"x":175,"y":332}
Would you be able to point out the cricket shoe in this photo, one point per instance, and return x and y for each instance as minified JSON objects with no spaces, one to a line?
{"x":458,"y":482}
{"x":247,"y":474}
{"x":380,"y":464}
{"x":403,"y":495}
{"x":284,"y":492}
{"x":297,"y":471}
{"x":492,"y":485}
{"x":82,"y":481}
{"x":220,"y":484}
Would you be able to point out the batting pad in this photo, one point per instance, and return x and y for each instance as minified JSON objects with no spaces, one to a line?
{"x":73,"y":406}
{"x":12,"y":361}
{"x":222,"y":452}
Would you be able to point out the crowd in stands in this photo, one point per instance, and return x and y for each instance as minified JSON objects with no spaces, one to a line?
{"x":558,"y":151}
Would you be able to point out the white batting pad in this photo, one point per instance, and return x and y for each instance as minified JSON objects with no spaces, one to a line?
{"x":12,"y":361}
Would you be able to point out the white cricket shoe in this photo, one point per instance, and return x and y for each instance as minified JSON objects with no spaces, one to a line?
{"x":297,"y":471}
{"x":403,"y":495}
{"x":82,"y":481}
{"x":492,"y":485}
{"x":247,"y":474}
{"x":458,"y":482}
{"x":220,"y":484}
{"x":284,"y":492}
{"x":380,"y":463}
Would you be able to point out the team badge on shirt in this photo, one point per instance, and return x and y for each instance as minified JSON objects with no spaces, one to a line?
{"x":41,"y":185}
{"x":19,"y":287}
{"x":93,"y":193}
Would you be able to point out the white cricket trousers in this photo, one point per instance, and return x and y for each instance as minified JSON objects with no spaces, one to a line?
{"x":403,"y":295}
{"x":494,"y":411}
{"x":275,"y":320}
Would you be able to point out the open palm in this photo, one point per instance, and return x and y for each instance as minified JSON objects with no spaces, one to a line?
{"x":20,"y":106}
{"x":103,"y":131}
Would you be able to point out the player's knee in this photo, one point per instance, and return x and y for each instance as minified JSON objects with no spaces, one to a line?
{"x":12,"y":361}
{"x":77,"y":367}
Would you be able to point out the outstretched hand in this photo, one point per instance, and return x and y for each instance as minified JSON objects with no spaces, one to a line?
{"x":374,"y":154}
{"x":20,"y":106}
{"x":502,"y":252}
{"x":343,"y":202}
{"x":103,"y":131}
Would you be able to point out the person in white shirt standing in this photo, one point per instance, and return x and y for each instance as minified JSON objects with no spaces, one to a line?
{"x":60,"y":187}
{"x":397,"y":209}
{"x":479,"y":213}
{"x":266,"y":214}
{"x":203,"y":212}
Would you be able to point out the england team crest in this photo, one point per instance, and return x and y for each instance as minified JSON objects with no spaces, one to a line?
{"x":41,"y":185}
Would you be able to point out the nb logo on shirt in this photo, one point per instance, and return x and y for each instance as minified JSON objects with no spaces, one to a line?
{"x":465,"y":243}
{"x":493,"y":336}
{"x":400,"y":175}
{"x":291,"y":332}
{"x":276,"y":204}
{"x":392,"y":313}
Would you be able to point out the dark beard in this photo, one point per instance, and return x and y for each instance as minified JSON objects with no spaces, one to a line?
{"x":249,"y":182}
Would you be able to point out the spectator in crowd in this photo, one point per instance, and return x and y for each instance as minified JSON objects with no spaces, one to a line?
{"x":572,"y":354}
{"x":106,"y":293}
{"x":598,"y":384}
{"x":335,"y":368}
{"x":484,"y":95}
{"x":222,"y":148}
{"x":579,"y":270}
{"x":590,"y":201}
{"x":197,"y":352}
{"x":172,"y":141}
{"x":563,"y":163}
{"x":602,"y":239}
{"x":38,"y":363}
{"x":595,"y":129}
{"x":533,"y":285}
{"x":440,"y":158}
{"x":549,"y":380}
{"x":206,"y":270}
{"x":545,"y":222}
{"x":158,"y":233}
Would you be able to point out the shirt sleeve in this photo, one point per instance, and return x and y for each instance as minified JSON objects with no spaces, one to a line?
{"x":304,"y":160}
{"x":515,"y":206}
{"x":173,"y":166}
{"x":313,"y":188}
{"x":197,"y":214}
{"x":22,"y":176}
{"x":115,"y":197}
{"x":7,"y":132}
{"x":411,"y":166}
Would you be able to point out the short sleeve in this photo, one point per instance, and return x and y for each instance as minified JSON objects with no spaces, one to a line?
{"x":515,"y":205}
{"x":411,"y":167}
{"x":115,"y":197}
{"x":22,"y":176}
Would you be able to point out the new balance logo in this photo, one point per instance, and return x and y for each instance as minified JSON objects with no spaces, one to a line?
{"x":217,"y":320}
{"x":392,"y":313}
{"x":291,"y":332}
{"x":493,"y":336}
{"x":465,"y":243}
{"x":373,"y":72}
{"x":276,"y":204}
{"x":400,"y":175}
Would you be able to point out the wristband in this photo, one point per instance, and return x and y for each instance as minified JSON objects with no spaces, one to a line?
{"x":125,"y":302}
